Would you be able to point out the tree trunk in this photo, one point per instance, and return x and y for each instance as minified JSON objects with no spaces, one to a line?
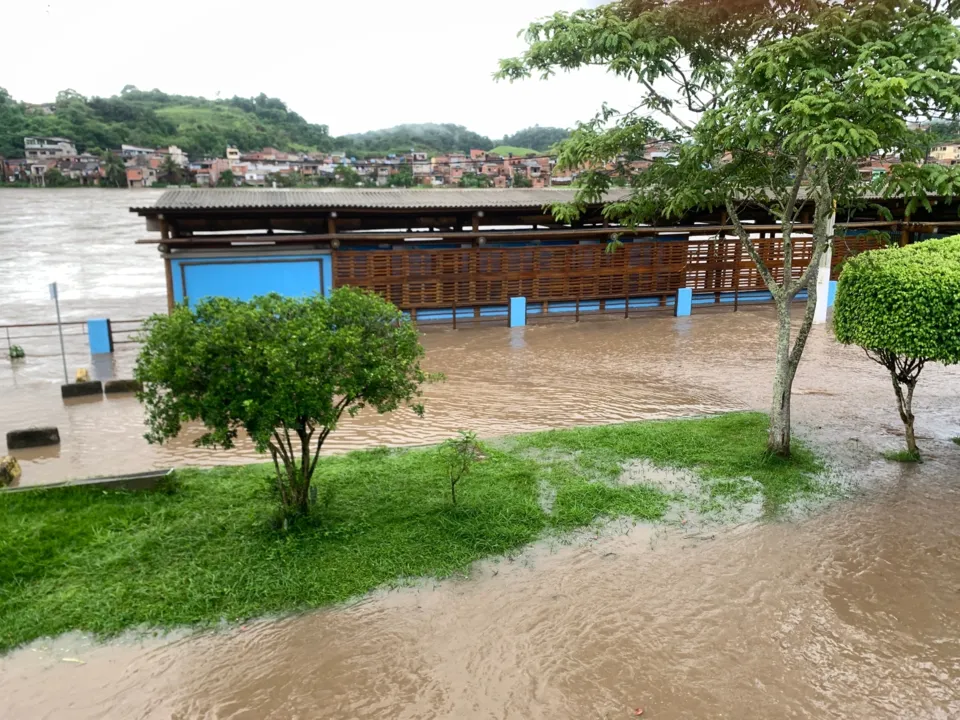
{"x":778,"y":441}
{"x":905,"y":407}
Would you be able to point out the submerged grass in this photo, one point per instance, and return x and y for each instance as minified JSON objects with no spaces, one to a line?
{"x":902,"y":456}
{"x":202,"y":550}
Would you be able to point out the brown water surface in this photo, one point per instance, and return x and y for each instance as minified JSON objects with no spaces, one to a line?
{"x":853,"y":612}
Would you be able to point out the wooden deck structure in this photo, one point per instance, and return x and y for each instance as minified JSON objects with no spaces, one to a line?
{"x":431,"y":250}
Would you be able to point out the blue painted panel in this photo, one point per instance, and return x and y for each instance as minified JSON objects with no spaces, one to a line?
{"x":684,"y":302}
{"x":244,"y":281}
{"x":244,"y":277}
{"x":518,"y":311}
{"x":832,"y":293}
{"x":98,"y":334}
{"x":445,"y":314}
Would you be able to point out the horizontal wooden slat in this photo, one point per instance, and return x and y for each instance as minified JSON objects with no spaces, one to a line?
{"x":429,"y":278}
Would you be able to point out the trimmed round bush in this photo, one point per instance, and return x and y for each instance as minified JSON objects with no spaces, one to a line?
{"x":902,"y":305}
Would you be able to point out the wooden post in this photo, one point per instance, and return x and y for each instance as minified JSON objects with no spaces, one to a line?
{"x":332,"y":224}
{"x":626,"y":305}
{"x":905,"y":233}
{"x":168,"y":271}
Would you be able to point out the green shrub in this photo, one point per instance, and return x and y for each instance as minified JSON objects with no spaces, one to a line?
{"x":284,"y":370}
{"x":16,"y":352}
{"x":902,"y":306}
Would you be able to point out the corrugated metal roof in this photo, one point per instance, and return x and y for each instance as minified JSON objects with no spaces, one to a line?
{"x":374,"y":198}
{"x":334,"y":198}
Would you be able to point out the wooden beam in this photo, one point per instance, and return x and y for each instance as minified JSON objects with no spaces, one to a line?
{"x":168,"y":271}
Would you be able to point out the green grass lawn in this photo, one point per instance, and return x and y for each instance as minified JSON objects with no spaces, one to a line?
{"x":204,"y":548}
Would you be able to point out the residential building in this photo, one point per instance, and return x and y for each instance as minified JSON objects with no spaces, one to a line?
{"x":129,"y":151}
{"x":947,"y":153}
{"x":207,"y":172}
{"x":135,"y":177}
{"x":43,"y":148}
{"x":178,"y":155}
{"x":85,"y":169}
{"x":16,"y":170}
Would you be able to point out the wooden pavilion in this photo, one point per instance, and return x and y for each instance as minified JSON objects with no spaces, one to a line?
{"x":464,"y":253}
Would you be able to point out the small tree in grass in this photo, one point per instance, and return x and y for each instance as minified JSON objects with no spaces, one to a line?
{"x":902,"y":306}
{"x":283,"y":370}
{"x":458,"y":456}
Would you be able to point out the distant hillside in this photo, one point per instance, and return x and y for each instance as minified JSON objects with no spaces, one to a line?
{"x":424,"y":137}
{"x":204,"y":127}
{"x":539,"y":138}
{"x":156,"y":119}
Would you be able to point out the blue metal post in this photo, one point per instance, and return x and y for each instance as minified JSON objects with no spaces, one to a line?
{"x":684,"y":302}
{"x":100,"y":336}
{"x":832,"y":293}
{"x":518,"y":312}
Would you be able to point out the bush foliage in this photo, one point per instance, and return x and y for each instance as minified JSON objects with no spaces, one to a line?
{"x":282,"y":370}
{"x":903,"y":300}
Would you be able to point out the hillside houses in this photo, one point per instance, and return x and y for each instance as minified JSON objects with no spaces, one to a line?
{"x":271,"y":167}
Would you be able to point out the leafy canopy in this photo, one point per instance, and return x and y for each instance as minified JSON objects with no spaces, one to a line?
{"x":757,"y":95}
{"x":903,"y":300}
{"x":275,"y":366}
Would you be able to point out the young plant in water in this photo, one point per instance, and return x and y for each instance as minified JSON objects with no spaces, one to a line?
{"x":459,"y":455}
{"x":16,"y":352}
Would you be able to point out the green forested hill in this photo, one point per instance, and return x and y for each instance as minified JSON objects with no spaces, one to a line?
{"x":537,"y":138}
{"x":204,"y":127}
{"x":423,"y":137}
{"x":156,"y":119}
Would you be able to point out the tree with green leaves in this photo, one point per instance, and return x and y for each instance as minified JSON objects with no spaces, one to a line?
{"x":54,"y":178}
{"x":403,"y":177}
{"x":770,"y":104}
{"x":170,"y":172}
{"x":902,"y":306}
{"x":226,"y":179}
{"x":475,"y":180}
{"x":113,"y":169}
{"x":346,"y":176}
{"x":283,"y":370}
{"x":520,"y":180}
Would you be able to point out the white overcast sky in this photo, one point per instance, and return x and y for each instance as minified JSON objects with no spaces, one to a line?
{"x":354,"y":65}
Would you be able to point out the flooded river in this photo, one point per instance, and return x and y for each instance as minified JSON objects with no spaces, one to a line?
{"x":853,"y":612}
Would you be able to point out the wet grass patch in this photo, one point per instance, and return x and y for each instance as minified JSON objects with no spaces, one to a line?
{"x":728,"y":452}
{"x":902,"y":456}
{"x":203,"y":549}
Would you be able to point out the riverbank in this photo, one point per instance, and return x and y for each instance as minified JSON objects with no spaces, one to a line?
{"x":203,"y":550}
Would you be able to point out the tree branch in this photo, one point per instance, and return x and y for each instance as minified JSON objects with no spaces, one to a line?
{"x":665,"y":106}
{"x":751,"y":249}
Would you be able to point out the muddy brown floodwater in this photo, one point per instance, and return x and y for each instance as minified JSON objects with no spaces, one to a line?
{"x":850,"y":612}
{"x":853,"y":612}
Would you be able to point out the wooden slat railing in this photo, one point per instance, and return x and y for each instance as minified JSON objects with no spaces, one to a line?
{"x":477,"y":276}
